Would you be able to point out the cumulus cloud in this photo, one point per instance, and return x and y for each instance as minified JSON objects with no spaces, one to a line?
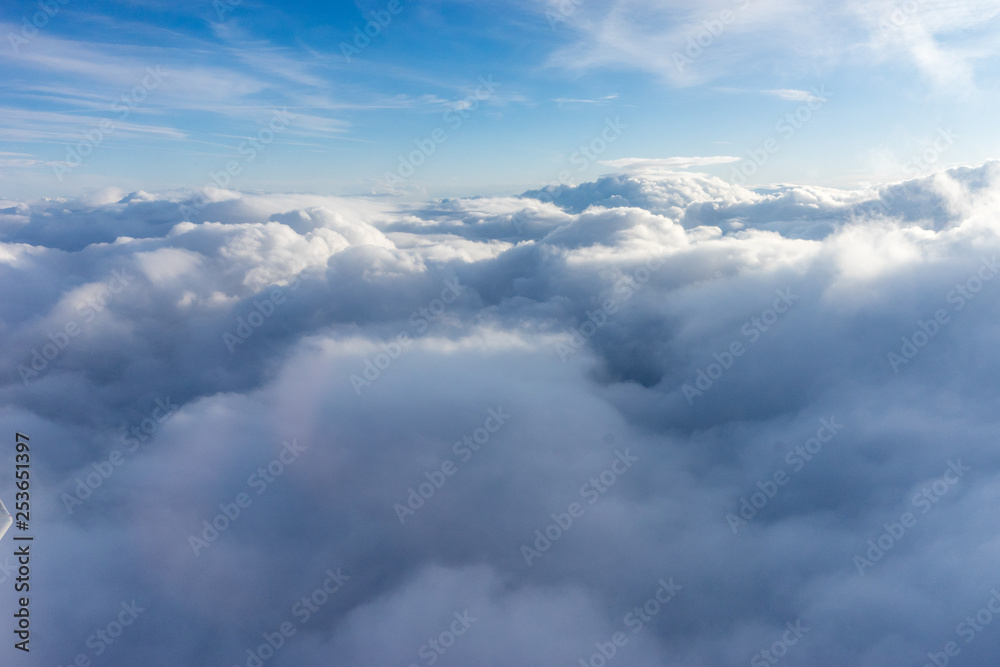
{"x":657,"y":414}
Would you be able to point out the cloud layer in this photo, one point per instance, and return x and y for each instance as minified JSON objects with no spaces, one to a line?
{"x":656,"y":415}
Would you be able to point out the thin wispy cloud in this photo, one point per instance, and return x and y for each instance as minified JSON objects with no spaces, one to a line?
{"x":654,"y":166}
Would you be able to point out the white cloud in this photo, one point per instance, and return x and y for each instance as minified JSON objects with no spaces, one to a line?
{"x":793,"y":95}
{"x":859,"y":272}
{"x":654,"y":166}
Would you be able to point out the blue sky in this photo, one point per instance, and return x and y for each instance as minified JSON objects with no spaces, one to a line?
{"x":892,"y":78}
